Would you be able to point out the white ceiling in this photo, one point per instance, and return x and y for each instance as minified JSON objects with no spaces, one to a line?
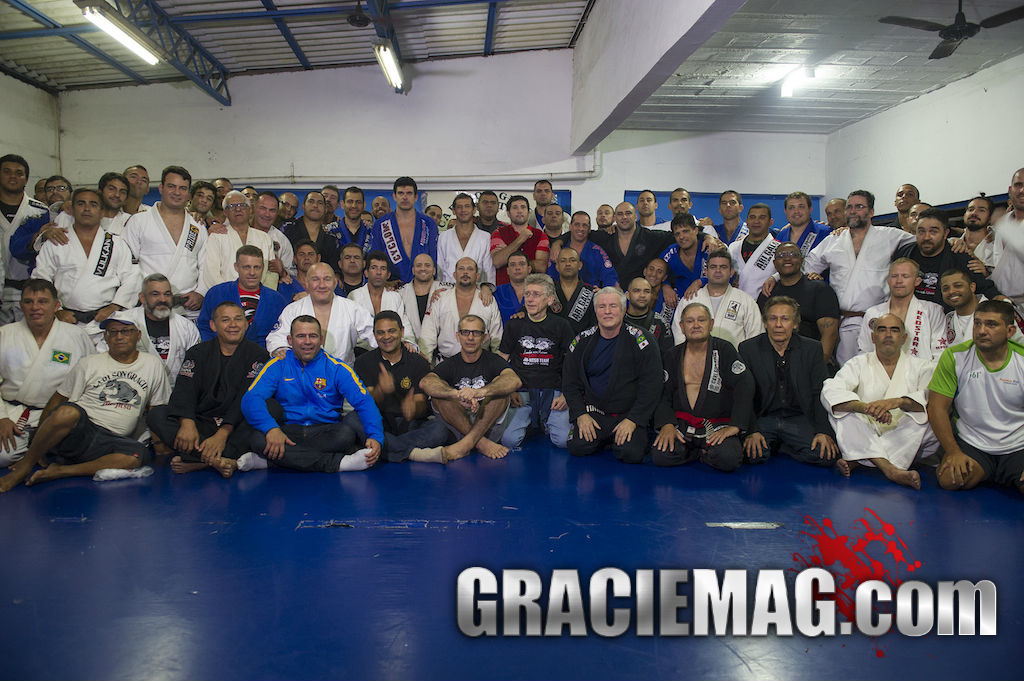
{"x":863,"y":67}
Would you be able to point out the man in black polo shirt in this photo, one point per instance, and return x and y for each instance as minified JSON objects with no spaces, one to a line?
{"x":535,"y":345}
{"x":470,"y":392}
{"x":819,"y":306}
{"x":392,"y":374}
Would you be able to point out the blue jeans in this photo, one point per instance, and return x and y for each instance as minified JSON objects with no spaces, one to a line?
{"x":536,"y":412}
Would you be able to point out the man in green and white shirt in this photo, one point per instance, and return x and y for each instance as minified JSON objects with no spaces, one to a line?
{"x":983,"y":381}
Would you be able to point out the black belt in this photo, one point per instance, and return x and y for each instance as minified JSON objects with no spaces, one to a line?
{"x":83,"y":317}
{"x":15,"y":283}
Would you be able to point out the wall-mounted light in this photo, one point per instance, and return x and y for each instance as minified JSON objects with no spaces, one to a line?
{"x":388,"y":60}
{"x":117,"y":28}
{"x":797,"y":79}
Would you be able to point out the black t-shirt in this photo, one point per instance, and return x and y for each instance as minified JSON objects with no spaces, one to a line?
{"x":160,"y":335}
{"x":407,"y":374}
{"x":459,"y":374}
{"x":536,"y":349}
{"x":599,"y":365}
{"x":816,"y":300}
{"x":9,"y":211}
{"x":421,"y":305}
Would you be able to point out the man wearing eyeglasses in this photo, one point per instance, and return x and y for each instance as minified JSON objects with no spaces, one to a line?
{"x":470,"y":392}
{"x":819,"y":306}
{"x":91,"y":423}
{"x":788,"y":372}
{"x":224,"y":242}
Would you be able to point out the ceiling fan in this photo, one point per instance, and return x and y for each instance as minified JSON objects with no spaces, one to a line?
{"x":361,"y":19}
{"x":957,"y":32}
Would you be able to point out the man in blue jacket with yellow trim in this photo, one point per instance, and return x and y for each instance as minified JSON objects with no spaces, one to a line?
{"x":311,"y":387}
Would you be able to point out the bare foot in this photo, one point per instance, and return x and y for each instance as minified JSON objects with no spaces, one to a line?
{"x":51,"y":472}
{"x":226,"y":467}
{"x":179,"y":466}
{"x":16,"y":475}
{"x":490,"y":449}
{"x":844,"y":467}
{"x":906,"y":478}
{"x":455,"y":452}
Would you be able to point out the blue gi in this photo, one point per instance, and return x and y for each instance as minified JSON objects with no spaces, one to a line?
{"x":269,"y":309}
{"x":388,"y":238}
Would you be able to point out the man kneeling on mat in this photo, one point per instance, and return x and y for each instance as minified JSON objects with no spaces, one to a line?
{"x":311,"y":388}
{"x":203,"y":421}
{"x":89,"y":423}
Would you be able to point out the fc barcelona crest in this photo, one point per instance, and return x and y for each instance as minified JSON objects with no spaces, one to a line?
{"x":320,"y":383}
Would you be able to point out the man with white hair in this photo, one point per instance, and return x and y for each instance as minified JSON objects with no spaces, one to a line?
{"x":343,"y":322}
{"x":225,"y":241}
{"x":877,"y":402}
{"x":612,"y":383}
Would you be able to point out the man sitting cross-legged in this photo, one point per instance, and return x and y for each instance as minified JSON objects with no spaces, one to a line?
{"x":470,"y":392}
{"x":90,"y":422}
{"x":202,"y":423}
{"x":311,"y":388}
{"x":707,"y":401}
{"x":877,"y":405}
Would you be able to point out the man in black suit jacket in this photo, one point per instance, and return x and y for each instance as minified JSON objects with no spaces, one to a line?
{"x":788,"y":373}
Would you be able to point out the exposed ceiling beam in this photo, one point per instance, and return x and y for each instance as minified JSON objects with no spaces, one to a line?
{"x":288,"y":37}
{"x":492,"y":20}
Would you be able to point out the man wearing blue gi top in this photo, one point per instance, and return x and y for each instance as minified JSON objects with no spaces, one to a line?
{"x":405,"y":232}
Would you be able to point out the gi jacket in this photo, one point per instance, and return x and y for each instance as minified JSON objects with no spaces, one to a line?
{"x":726,"y":388}
{"x":310,"y":394}
{"x":635,"y":384}
{"x":203,"y":391}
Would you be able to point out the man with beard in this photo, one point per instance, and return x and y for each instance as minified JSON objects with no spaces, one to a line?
{"x":1008,"y":251}
{"x":706,"y":404}
{"x":442,"y":319}
{"x":308,"y":227}
{"x":977,"y":236}
{"x":332,"y":197}
{"x":200,"y":206}
{"x":487,"y":205}
{"x":641,"y":314}
{"x":605,"y":219}
{"x":202,"y":421}
{"x":163,"y":332}
{"x":877,"y":405}
{"x":535,"y":346}
{"x":543,"y":196}
{"x":934,"y":256}
{"x":92,"y":420}
{"x":632,"y":247}
{"x":518,"y":237}
{"x":36,"y":355}
{"x":959,"y":293}
{"x":287,"y":210}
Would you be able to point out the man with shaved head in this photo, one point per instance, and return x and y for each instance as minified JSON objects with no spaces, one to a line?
{"x":309,"y":226}
{"x":633,"y":246}
{"x":876,"y":404}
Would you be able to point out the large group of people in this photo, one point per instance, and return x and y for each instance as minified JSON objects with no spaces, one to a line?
{"x":233,"y":330}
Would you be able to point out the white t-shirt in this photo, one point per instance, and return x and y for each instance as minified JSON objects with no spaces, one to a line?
{"x":115,"y":395}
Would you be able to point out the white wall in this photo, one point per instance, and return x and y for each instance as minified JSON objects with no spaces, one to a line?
{"x":28,"y":126}
{"x":474,"y":116}
{"x":951,"y":143}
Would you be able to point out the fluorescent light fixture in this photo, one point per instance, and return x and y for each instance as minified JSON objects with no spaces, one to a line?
{"x":385,"y":53}
{"x":107,"y":24}
{"x":797,"y":79}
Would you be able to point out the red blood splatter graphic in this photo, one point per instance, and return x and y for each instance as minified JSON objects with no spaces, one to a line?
{"x":847,"y":557}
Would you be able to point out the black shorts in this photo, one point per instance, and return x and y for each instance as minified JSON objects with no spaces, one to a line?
{"x":88,"y":442}
{"x":1004,"y":469}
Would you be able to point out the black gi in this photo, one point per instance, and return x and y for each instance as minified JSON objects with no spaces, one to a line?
{"x":634,"y":390}
{"x":725,"y":399}
{"x":209,"y":391}
{"x":578,"y":309}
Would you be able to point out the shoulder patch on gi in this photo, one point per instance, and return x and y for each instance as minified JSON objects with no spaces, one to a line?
{"x":738,"y":367}
{"x":582,"y":334}
{"x":61,"y":357}
{"x":187,"y":369}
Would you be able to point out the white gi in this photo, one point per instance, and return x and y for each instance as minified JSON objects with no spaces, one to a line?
{"x":861,"y":437}
{"x":737,"y":318}
{"x":859,"y":280}
{"x":1008,"y":253}
{"x":87,"y":282}
{"x":30,"y":374}
{"x":389,"y":300}
{"x":442,"y":321}
{"x":184,"y":335}
{"x":182,"y":263}
{"x":220,"y":256}
{"x":348,"y":324}
{"x":450,"y":251}
{"x":760,"y":265}
{"x":115,"y":225}
{"x":925,"y":324}
{"x":960,"y":328}
{"x":412,"y":310}
{"x":12,"y":267}
{"x":283,"y":249}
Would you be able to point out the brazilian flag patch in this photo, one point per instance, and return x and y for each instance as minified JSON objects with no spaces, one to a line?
{"x":61,"y":357}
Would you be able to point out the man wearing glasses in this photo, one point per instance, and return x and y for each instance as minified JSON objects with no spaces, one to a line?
{"x":93,"y":419}
{"x":224,"y":241}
